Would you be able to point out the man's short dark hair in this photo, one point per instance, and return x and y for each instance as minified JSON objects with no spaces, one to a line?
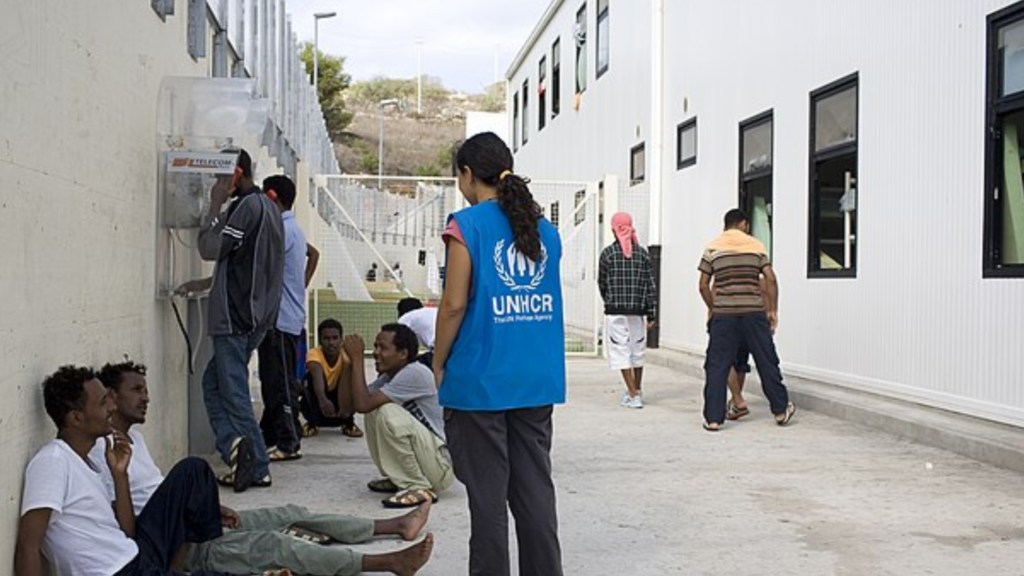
{"x":245,"y":163}
{"x":283,"y":187}
{"x":64,"y":391}
{"x":734,"y":217}
{"x":113,"y":374}
{"x":329,"y":324}
{"x":406,"y":305}
{"x":405,"y":339}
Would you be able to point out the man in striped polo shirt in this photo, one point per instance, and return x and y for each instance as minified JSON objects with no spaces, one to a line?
{"x":730,"y":284}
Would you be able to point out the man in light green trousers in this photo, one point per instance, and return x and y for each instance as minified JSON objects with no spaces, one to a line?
{"x":255,"y":540}
{"x":403,"y":421}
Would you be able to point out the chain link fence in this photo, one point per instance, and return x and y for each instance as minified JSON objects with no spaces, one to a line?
{"x":380,"y":241}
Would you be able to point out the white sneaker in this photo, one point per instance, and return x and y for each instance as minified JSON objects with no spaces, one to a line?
{"x":625,"y":399}
{"x":636,"y":402}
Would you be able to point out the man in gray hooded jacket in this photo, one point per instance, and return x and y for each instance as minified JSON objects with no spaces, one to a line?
{"x":247,"y":243}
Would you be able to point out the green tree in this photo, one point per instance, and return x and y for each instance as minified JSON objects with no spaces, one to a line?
{"x":493,"y":98}
{"x":427,"y":170}
{"x":331,"y":85}
{"x":369,"y":162}
{"x":369,"y":92}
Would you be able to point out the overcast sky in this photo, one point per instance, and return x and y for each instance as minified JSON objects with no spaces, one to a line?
{"x":460,"y":37}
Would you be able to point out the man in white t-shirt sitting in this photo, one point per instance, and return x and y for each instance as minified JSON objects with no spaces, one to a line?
{"x":260,"y":539}
{"x":422,"y":321}
{"x":402,"y":418}
{"x":66,"y":512}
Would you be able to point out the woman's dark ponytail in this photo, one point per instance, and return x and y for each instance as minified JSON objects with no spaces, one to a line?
{"x":491,"y":161}
{"x":523,"y":213}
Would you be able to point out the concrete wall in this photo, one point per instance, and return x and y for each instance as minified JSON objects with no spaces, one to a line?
{"x":78,"y":214}
{"x":918,"y":322}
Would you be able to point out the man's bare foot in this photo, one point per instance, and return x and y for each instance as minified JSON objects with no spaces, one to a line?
{"x":404,"y":562}
{"x":407,"y":527}
{"x":410,"y":525}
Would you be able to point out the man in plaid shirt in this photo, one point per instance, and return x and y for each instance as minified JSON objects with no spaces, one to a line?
{"x":626,"y":280}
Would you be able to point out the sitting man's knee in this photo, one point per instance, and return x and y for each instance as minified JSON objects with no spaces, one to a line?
{"x":192,"y":465}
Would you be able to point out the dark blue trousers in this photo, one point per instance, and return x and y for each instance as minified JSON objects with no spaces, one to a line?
{"x":185,"y":508}
{"x":727,"y":334}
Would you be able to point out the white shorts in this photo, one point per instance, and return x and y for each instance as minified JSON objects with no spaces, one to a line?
{"x":627,"y":340}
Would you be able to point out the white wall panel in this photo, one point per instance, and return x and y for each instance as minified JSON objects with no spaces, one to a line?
{"x":614,"y":114}
{"x":918,"y":321}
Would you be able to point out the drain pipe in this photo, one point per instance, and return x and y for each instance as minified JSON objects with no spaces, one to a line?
{"x":657,"y":154}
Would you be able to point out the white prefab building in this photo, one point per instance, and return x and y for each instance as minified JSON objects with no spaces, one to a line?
{"x":876,"y":146}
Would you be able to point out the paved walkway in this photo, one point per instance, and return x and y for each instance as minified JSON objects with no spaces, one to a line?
{"x":649,"y":493}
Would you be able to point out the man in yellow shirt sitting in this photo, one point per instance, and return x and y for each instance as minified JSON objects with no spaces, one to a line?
{"x":321,"y":398}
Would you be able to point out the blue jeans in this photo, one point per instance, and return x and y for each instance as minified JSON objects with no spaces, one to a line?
{"x":226,"y":393}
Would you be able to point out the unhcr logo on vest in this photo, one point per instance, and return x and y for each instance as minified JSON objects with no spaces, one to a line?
{"x":523,"y":276}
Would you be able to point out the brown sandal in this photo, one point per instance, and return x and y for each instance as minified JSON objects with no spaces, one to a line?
{"x":307,"y":535}
{"x":786,"y":417}
{"x":384,"y":485}
{"x":409,"y":498}
{"x":735,"y":412}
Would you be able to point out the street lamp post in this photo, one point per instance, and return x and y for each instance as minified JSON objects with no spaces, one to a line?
{"x":380,"y":157}
{"x":316,"y":48}
{"x":380,"y":143}
{"x":316,"y":94}
{"x":419,"y":76}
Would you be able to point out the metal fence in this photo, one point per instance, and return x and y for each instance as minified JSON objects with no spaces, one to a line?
{"x":380,"y":241}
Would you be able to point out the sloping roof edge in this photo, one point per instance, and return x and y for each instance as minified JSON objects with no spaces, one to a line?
{"x":534,"y":36}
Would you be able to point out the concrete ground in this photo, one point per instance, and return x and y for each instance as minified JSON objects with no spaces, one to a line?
{"x":648,"y":492}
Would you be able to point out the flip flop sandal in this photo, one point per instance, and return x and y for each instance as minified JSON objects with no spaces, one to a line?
{"x":383,"y":485}
{"x":409,"y":498}
{"x":275,"y":454}
{"x":243,"y":465}
{"x":786,"y":417}
{"x":735,"y":412}
{"x":712,"y":427}
{"x":352,"y":431}
{"x":226,"y":480}
{"x":307,"y":535}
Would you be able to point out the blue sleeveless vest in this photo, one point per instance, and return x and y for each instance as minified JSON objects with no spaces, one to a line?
{"x":510,"y":349}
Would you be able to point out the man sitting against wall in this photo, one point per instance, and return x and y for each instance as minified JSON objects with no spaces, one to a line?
{"x":83,"y":528}
{"x":403,"y":419}
{"x":264,"y":538}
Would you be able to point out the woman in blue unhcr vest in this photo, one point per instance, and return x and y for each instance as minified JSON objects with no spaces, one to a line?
{"x":499,"y":360}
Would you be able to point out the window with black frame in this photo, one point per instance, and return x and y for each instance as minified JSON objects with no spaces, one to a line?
{"x":515,"y":122}
{"x":603,"y":51}
{"x":580,"y":38}
{"x":556,"y":77}
{"x":1004,"y":170}
{"x":542,"y":92}
{"x":686,"y":144}
{"x":554,"y":215}
{"x":526,"y":111}
{"x":756,"y":175}
{"x":637,"y":164}
{"x":833,"y":180}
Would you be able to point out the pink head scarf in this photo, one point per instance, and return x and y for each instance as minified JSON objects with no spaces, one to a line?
{"x":622,"y":225}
